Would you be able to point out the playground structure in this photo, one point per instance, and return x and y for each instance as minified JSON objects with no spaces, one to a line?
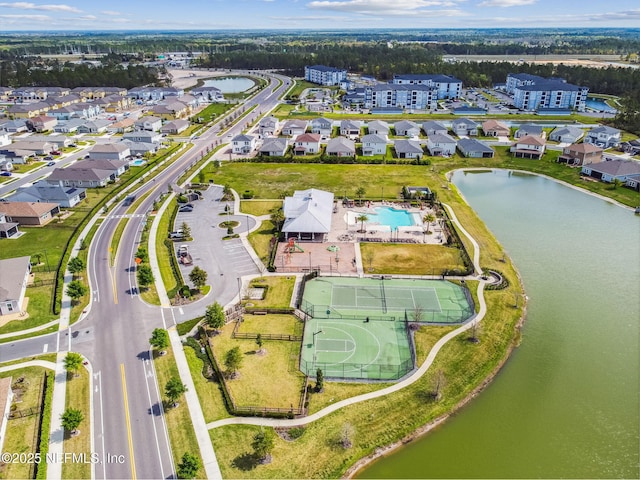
{"x":292,"y":247}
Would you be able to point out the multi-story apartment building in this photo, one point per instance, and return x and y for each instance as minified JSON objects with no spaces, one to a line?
{"x":532,"y":93}
{"x":446,"y":85}
{"x":323,"y":75}
{"x":414,"y":97}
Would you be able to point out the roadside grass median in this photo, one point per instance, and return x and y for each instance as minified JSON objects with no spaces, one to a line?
{"x":167,"y":263}
{"x":181,"y":433}
{"x":78,"y":397}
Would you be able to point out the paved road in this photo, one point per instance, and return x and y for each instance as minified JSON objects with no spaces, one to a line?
{"x":114,"y":335}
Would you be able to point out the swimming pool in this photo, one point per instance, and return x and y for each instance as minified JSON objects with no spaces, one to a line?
{"x":137,"y":163}
{"x":393,"y":217}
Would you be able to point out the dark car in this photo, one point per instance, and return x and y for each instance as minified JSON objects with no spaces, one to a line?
{"x":48,"y":157}
{"x":186,"y":208}
{"x":5,"y":174}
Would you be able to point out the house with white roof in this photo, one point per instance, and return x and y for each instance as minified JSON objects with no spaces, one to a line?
{"x":321,"y":125}
{"x":432,"y":127}
{"x":341,"y":147}
{"x":406,"y":128}
{"x":408,"y":148}
{"x":13,"y":284}
{"x":441,"y":144}
{"x":293,"y":128}
{"x":145,"y":136}
{"x":603,"y":136}
{"x":110,"y":151}
{"x":350,"y":128}
{"x":151,"y":123}
{"x":378,"y":127}
{"x":463,"y":127}
{"x":274,"y":147}
{"x":268,"y":126}
{"x":308,"y":215}
{"x":373,"y":144}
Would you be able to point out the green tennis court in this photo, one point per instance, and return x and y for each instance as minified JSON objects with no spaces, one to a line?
{"x":357,"y":328}
{"x":354,"y":298}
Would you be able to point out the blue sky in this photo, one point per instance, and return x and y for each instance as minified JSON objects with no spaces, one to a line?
{"x":314,"y":14}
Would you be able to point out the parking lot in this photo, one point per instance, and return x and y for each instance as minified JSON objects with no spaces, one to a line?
{"x":223,"y":260}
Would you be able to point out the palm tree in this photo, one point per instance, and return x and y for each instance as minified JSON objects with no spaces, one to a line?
{"x":428,"y":219}
{"x":360,"y":193}
{"x":362,"y":218}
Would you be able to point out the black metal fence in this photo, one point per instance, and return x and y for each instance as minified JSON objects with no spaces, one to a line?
{"x":351,"y":371}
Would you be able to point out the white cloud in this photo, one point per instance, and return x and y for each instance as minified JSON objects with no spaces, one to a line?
{"x":505,"y":3}
{"x":110,"y":13}
{"x":33,"y":6}
{"x":384,"y":7}
{"x":35,"y":18}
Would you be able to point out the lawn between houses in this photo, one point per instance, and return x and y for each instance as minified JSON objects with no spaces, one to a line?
{"x":384,"y":420}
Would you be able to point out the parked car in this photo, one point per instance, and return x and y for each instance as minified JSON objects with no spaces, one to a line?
{"x":51,"y":164}
{"x":176,"y":234}
{"x":186,"y":208}
{"x":56,"y":152}
{"x":48,"y":157}
{"x":6,"y":174}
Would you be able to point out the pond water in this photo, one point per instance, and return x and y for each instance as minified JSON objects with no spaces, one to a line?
{"x":566,"y":403}
{"x":230,"y":84}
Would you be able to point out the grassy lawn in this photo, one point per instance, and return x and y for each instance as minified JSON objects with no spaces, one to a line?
{"x":209,"y":394}
{"x":181,"y":433}
{"x":260,"y":240}
{"x":39,"y":309}
{"x":45,"y":331}
{"x":21,"y":433}
{"x":78,"y":395}
{"x":279,"y":291}
{"x":212,"y":111}
{"x":163,"y":252}
{"x":27,"y":167}
{"x":300,"y":86}
{"x":259,"y":207}
{"x":410,"y":259}
{"x":255,"y":385}
{"x":271,"y":323}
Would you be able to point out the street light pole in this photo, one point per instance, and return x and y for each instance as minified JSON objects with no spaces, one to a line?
{"x":314,"y":336}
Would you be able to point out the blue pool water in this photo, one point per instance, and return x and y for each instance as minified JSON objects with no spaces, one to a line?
{"x":392,"y":217}
{"x":599,"y":105}
{"x":137,"y":163}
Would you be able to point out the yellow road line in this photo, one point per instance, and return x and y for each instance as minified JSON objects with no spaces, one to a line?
{"x":128,"y":420}
{"x":113,"y":286}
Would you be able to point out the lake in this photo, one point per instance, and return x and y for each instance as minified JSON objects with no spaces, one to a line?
{"x":230,"y":84}
{"x":566,"y":403}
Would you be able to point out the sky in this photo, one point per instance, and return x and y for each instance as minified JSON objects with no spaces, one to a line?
{"x":315,"y":14}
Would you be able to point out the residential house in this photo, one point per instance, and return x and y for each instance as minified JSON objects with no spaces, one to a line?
{"x":495,"y":128}
{"x":34,"y":147}
{"x":581,"y":154}
{"x":118,"y":167}
{"x":150,"y":123}
{"x":350,"y":128}
{"x":463,"y":127}
{"x":530,"y":129}
{"x":268,"y":126}
{"x":141,"y":148}
{"x":27,"y":110}
{"x":210,"y":94}
{"x":625,"y":171}
{"x":408,"y":149}
{"x":81,"y":177}
{"x":67,"y":197}
{"x":446,"y":86}
{"x":42,"y":123}
{"x":293,"y":128}
{"x":566,"y":134}
{"x":322,"y":126}
{"x":110,"y":151}
{"x":341,"y":147}
{"x":95,"y":126}
{"x":406,"y":128}
{"x":143,"y":136}
{"x":631,"y":147}
{"x":175,"y":127}
{"x":472,"y":148}
{"x":431,"y":127}
{"x":13,"y":285}
{"x":5,"y":92}
{"x":29,"y":213}
{"x":58,"y":141}
{"x":18,"y":125}
{"x":113,"y":103}
{"x":307,"y":144}
{"x":243,"y":144}
{"x":378,"y":127}
{"x":4,"y":139}
{"x":323,"y":75}
{"x":603,"y":136}
{"x":6,"y":165}
{"x":274,"y":147}
{"x":8,"y":229}
{"x":374,"y":144}
{"x":529,"y":146}
{"x":441,"y":145}
{"x":69,"y":126}
{"x":6,"y":397}
{"x":171,"y":109}
{"x":308,"y":215}
{"x":123,"y":126}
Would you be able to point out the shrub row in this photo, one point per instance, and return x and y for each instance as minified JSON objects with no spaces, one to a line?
{"x":330,"y":159}
{"x":173,"y":261}
{"x":45,"y":425}
{"x":504,"y":282}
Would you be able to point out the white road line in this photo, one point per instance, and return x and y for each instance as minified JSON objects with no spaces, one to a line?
{"x":164,"y":324}
{"x":181,"y":311}
{"x":99,"y":387}
{"x":164,"y":423}
{"x":155,"y":431}
{"x":45,"y":349}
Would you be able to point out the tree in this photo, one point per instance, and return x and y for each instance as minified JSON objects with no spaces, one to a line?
{"x":319,"y":381}
{"x":71,"y":420}
{"x":428,"y":219}
{"x":145,"y":276}
{"x":38,"y":257}
{"x":186,"y":230}
{"x":233,"y":360}
{"x":75,"y":265}
{"x":72,"y":362}
{"x":198,"y":277}
{"x":263,"y":443}
{"x":174,"y":389}
{"x":417,"y":313}
{"x":201,"y":177}
{"x":188,"y":467}
{"x":76,"y":290}
{"x":215,"y":316}
{"x":346,"y":435}
{"x":142,"y":254}
{"x":159,"y":339}
{"x":360,"y":193}
{"x":277,"y":217}
{"x":362,"y":218}
{"x":438,"y":383}
{"x":227,"y":193}
{"x":474,"y":332}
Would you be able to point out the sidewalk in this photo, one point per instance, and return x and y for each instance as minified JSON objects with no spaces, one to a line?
{"x":209,"y":460}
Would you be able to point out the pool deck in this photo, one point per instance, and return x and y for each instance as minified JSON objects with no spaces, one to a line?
{"x":345,"y":236}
